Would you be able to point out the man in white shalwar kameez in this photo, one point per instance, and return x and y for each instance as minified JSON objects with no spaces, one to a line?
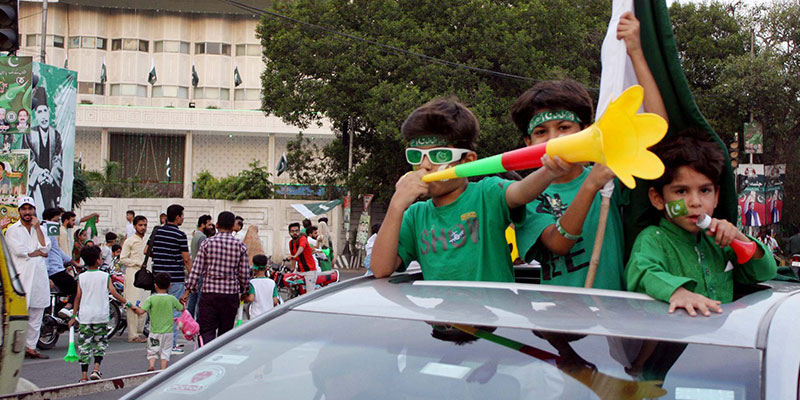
{"x":28,"y":246}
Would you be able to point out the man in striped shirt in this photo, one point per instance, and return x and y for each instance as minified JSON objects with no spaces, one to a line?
{"x":223,"y":263}
{"x":170,"y":254}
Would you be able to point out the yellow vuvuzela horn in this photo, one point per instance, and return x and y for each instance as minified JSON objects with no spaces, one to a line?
{"x":619,"y":139}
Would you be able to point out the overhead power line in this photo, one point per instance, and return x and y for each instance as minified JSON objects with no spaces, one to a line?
{"x":394,"y":49}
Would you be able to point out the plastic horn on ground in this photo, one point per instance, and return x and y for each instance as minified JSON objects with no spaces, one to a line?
{"x":619,"y":139}
{"x":71,"y":356}
{"x":744,"y":250}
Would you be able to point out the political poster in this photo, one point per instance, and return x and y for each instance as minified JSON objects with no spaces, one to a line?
{"x":51,"y":139}
{"x":775,"y":177}
{"x":16,"y":85}
{"x":13,"y":183}
{"x":753,"y":138}
{"x":752,"y":207}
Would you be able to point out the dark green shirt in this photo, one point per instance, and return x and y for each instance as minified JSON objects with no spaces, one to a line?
{"x":666,"y":257}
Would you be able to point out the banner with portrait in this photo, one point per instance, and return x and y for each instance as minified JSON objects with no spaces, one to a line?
{"x":15,"y":99}
{"x":752,"y":207}
{"x":51,"y":139}
{"x":775,"y":177}
{"x":13,"y":183}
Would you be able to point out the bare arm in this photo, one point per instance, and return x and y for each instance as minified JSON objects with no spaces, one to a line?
{"x":114,"y":292}
{"x":408,"y":188}
{"x":187,"y":260}
{"x":628,"y":30}
{"x":90,"y":216}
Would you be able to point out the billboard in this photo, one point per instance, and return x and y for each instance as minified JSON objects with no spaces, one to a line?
{"x":16,"y":83}
{"x":753,"y":138}
{"x":752,"y":207}
{"x":13,"y":183}
{"x":775,"y":177}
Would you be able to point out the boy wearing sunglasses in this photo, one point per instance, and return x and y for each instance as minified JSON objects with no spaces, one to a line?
{"x":458,"y":233}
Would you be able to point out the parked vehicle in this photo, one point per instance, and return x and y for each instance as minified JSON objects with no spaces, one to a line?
{"x":14,"y":314}
{"x":405,"y":338}
{"x":291,"y":284}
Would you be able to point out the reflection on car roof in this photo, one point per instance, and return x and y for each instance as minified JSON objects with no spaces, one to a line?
{"x":552,"y":308}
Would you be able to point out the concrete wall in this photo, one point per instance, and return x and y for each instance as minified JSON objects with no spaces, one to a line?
{"x":272,"y":217}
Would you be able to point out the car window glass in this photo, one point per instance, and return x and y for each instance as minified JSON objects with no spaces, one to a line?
{"x":304,"y":355}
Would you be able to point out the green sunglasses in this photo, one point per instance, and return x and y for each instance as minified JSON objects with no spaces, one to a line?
{"x":437,"y":155}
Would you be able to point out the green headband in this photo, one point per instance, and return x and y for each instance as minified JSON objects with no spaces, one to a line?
{"x":545,"y":116}
{"x":257,"y":267}
{"x":432,"y":140}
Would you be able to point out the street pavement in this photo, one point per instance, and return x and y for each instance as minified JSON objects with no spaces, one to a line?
{"x":122,"y":358}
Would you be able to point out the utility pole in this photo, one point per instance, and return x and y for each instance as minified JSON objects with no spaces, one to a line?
{"x":44,"y":31}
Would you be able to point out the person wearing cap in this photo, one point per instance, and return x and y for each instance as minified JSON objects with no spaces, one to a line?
{"x":29,"y":248}
{"x":44,"y":142}
{"x":262,"y":293}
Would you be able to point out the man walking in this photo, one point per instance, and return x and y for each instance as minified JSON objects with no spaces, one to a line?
{"x":222,"y":262}
{"x":302,"y":255}
{"x":132,"y":258}
{"x":29,"y":249}
{"x":170,"y":254}
{"x":198,"y":237}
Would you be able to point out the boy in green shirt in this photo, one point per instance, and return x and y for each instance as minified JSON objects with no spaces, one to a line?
{"x":457,"y":234}
{"x":561,"y":224}
{"x":160,"y":306}
{"x":676,"y":261}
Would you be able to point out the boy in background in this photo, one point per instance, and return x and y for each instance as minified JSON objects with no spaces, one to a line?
{"x":160,"y":307}
{"x":263,"y":293}
{"x":676,"y":261}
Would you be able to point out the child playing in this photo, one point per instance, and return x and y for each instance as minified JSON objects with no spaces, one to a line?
{"x":677,"y":262}
{"x":561,"y":224}
{"x":457,"y":234}
{"x":160,"y":306}
{"x":91,"y":309}
{"x":263,"y":293}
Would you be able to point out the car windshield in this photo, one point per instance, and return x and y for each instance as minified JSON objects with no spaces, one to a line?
{"x":304,"y":355}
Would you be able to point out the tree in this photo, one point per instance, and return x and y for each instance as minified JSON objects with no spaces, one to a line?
{"x":367,"y":91}
{"x":252,"y":183}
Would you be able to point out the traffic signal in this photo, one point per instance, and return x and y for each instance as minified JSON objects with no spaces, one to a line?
{"x":9,"y":27}
{"x":733,"y":150}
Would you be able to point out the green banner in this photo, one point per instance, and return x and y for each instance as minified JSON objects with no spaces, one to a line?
{"x":15,"y":99}
{"x":51,"y":139}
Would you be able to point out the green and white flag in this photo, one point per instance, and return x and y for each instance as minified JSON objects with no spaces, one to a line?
{"x":283,"y":165}
{"x":312,"y":209}
{"x":237,"y":79}
{"x":66,"y":61}
{"x":676,"y":208}
{"x":103,"y":76}
{"x":53,"y":228}
{"x":195,"y":77}
{"x":91,"y":227}
{"x":151,"y":77}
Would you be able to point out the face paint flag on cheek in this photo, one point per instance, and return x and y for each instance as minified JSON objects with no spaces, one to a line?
{"x":677,"y":209}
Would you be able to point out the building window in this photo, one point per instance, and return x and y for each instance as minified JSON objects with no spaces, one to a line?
{"x":58,"y":41}
{"x":212,"y":93}
{"x":180,"y":92}
{"x":101,"y":43}
{"x":128,"y":90}
{"x":130,"y":44}
{"x":170,"y":46}
{"x":248,"y":50}
{"x":247,"y":94}
{"x":144,"y":45}
{"x":116,"y":44}
{"x":99,"y":89}
{"x":212,"y":48}
{"x":74,"y":42}
{"x":89,"y":42}
{"x":32,"y":40}
{"x":91,"y":88}
{"x":143,"y":158}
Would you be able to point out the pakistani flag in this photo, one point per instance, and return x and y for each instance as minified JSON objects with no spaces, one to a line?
{"x":237,"y":79}
{"x":53,"y":228}
{"x":283,"y":164}
{"x":312,"y":209}
{"x":195,"y":77}
{"x":169,"y":171}
{"x":91,"y":227}
{"x":66,"y":61}
{"x":151,"y":77}
{"x":661,"y":53}
{"x":103,"y":77}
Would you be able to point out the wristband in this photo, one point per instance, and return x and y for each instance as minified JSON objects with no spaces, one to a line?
{"x":565,"y":233}
{"x":128,"y":304}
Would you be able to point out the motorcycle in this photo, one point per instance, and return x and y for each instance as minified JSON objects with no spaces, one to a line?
{"x":292,"y":284}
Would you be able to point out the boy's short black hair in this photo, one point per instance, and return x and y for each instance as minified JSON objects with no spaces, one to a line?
{"x":138,"y":218}
{"x":311,"y":229}
{"x":116,"y":247}
{"x":110,"y":237}
{"x":67,"y":215}
{"x":130,"y":212}
{"x":89,"y":255}
{"x":552,"y":95}
{"x":691,"y":148}
{"x":260,"y":260}
{"x":446,"y":117}
{"x":50,"y":213}
{"x":173,"y":212}
{"x":162,"y":280}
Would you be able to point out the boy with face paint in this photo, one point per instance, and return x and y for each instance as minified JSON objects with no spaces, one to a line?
{"x":561,"y":225}
{"x":677,"y":261}
{"x":458,"y":233}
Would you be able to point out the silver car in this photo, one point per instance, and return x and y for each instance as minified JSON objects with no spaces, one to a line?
{"x":405,"y":338}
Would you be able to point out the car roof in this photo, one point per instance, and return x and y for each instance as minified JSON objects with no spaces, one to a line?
{"x":743,"y":322}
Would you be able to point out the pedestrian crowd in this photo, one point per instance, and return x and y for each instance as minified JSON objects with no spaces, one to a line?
{"x":209,"y":276}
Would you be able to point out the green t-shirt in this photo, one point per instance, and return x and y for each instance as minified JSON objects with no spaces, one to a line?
{"x":571,"y":269}
{"x":464,"y":240}
{"x":160,"y":306}
{"x":666,"y":257}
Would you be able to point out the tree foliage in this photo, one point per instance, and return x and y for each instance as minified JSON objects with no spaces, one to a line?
{"x":367,"y":91}
{"x":252,"y":183}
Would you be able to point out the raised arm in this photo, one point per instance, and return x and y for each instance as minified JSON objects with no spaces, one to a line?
{"x":628,"y":30}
